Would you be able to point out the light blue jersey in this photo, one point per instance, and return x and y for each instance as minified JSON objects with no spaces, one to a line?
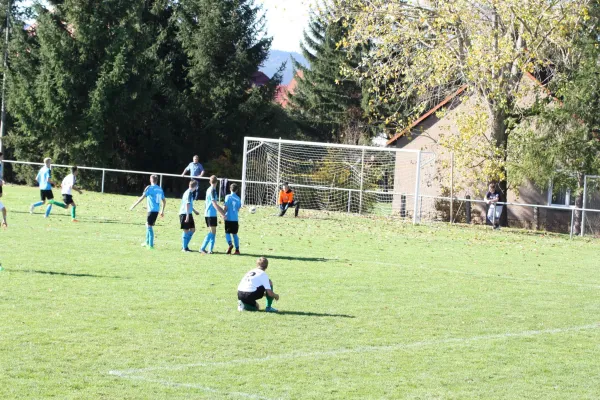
{"x":43,"y":178}
{"x":154,"y":196}
{"x":233,"y":204}
{"x":195,"y":169}
{"x":187,"y":198}
{"x":209,"y":209}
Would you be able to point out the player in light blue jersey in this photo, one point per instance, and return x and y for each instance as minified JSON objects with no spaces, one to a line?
{"x":45,"y":183}
{"x":186,"y":219}
{"x":210,"y":216}
{"x":154,"y":196}
{"x":232,"y":207}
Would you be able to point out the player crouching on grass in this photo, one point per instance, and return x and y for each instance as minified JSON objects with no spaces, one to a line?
{"x":253,"y":287}
{"x":186,"y":218}
{"x":67,"y":186}
{"x":232,"y":207}
{"x":286,"y":200}
{"x":155,"y":196}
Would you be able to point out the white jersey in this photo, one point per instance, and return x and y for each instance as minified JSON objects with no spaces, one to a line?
{"x":253,"y":280}
{"x":67,"y":184}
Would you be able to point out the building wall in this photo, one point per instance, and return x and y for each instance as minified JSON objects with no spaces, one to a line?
{"x":435,"y":181}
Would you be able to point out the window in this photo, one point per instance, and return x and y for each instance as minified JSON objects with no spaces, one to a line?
{"x":560,"y":196}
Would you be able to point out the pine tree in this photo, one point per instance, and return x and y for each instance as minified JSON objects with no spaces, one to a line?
{"x":225,"y":44}
{"x":327,"y":104}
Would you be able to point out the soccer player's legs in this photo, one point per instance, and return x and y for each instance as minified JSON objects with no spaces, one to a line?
{"x":69,"y":202}
{"x":249,"y":299}
{"x":42,"y":201}
{"x":231,"y":229}
{"x":296,"y":205}
{"x":150,"y":221}
{"x":3,"y":210}
{"x":209,"y":240}
{"x":188,"y":229}
{"x":270,"y":299}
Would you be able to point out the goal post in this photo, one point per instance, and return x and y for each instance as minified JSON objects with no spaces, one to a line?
{"x":334,"y":177}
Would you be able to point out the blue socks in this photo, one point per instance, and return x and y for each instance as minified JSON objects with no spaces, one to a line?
{"x":210,"y":238}
{"x":228,"y":238}
{"x":186,"y":238}
{"x":39,"y":203}
{"x":236,"y":239}
{"x":150,"y":236}
{"x":48,"y":210}
{"x":213,"y":239}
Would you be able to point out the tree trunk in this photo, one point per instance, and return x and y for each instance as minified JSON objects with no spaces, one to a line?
{"x":498,"y":132}
{"x":579,"y":203}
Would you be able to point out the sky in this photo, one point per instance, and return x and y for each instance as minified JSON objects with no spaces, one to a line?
{"x":286,"y":20}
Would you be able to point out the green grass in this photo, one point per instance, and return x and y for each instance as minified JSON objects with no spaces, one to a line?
{"x":371,"y":309}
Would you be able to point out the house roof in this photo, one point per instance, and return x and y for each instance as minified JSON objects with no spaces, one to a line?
{"x":447,"y":100}
{"x":427,"y":115}
{"x":259,"y":79}
{"x":283,"y":91}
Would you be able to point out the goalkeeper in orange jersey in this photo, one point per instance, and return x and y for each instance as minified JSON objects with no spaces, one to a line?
{"x":286,"y":200}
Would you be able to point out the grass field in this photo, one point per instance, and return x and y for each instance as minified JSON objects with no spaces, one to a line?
{"x":370,"y":309}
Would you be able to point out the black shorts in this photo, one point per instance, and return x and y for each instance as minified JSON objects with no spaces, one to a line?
{"x":187,"y":225}
{"x":68,"y":199}
{"x":211,"y":221}
{"x":1,"y":189}
{"x":251,"y":297}
{"x":46,"y":195}
{"x":232,"y":227}
{"x":151,"y":220}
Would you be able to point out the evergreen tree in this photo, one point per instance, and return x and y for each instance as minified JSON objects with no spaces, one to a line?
{"x":327,"y":104}
{"x":225,"y":44}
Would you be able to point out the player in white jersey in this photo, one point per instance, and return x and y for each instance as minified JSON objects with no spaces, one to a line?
{"x":254,"y":285}
{"x":67,"y":187}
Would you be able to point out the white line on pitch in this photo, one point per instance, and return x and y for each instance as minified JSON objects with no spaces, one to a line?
{"x":122,"y":374}
{"x":361,"y":349}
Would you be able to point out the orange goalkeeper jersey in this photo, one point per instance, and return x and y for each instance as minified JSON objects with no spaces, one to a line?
{"x":286,"y":197}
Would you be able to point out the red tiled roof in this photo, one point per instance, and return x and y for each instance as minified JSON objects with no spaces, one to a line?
{"x":283,"y":91}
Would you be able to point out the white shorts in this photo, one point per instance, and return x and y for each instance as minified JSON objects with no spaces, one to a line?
{"x":1,"y":206}
{"x":494,"y":209}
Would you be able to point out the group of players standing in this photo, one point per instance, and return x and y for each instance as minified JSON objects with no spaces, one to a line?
{"x":254,"y":285}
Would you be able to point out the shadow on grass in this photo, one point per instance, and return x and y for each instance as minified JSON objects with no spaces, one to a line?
{"x":290,"y":258}
{"x":312,"y":314}
{"x":33,"y":271}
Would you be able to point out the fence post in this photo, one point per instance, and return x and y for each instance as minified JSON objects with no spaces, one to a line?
{"x":584,"y":205}
{"x":572,"y":220}
{"x":244,"y":161}
{"x":349,"y":200}
{"x":219,"y":189}
{"x":278,"y":171}
{"x":362,"y":176}
{"x":468,"y":209}
{"x":103,"y":175}
{"x":536,"y":218}
{"x":452,"y":187}
{"x":161,"y":181}
{"x":417,"y":190}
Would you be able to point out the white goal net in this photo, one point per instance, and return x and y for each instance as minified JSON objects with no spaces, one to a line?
{"x":333,"y":177}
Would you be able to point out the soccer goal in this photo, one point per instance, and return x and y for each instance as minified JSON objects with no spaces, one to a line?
{"x":336,"y":177}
